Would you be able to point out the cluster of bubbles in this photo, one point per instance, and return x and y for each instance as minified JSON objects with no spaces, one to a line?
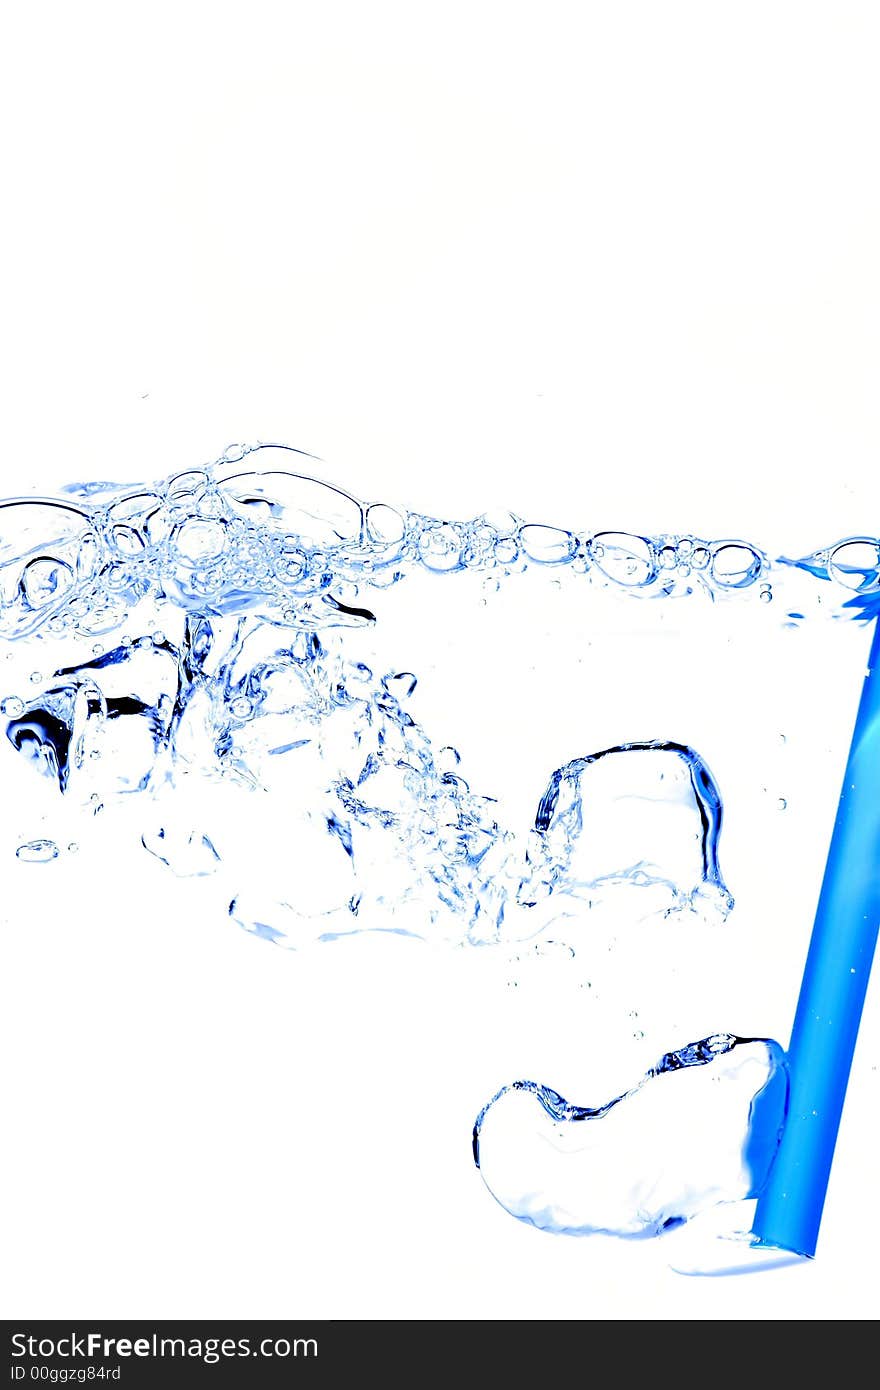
{"x":244,"y":686}
{"x":227,"y":537}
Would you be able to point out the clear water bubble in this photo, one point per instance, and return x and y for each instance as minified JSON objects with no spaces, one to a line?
{"x":507,"y":551}
{"x":856,"y":564}
{"x":127,"y":540}
{"x":45,"y":581}
{"x":701,"y":1127}
{"x":700,"y":557}
{"x":197,"y":541}
{"x":37,"y":852}
{"x":547,"y":545}
{"x":735,"y":566}
{"x":440,"y":547}
{"x":316,"y":512}
{"x":627,"y":560}
{"x":384,"y":524}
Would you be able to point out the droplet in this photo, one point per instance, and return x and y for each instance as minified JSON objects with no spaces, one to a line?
{"x":37,"y":852}
{"x":12,"y":706}
{"x":766,"y":593}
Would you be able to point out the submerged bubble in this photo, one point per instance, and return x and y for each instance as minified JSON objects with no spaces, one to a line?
{"x":126,"y":540}
{"x":735,"y":566}
{"x":627,"y":560}
{"x":37,"y":852}
{"x":701,"y":1127}
{"x":384,"y":524}
{"x":547,"y":545}
{"x":292,"y":502}
{"x":646,"y":815}
{"x":198,"y":541}
{"x":45,"y":580}
{"x":856,"y":564}
{"x":440,"y":547}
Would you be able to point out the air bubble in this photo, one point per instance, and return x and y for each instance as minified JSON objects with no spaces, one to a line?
{"x":37,"y":852}
{"x":625,"y":559}
{"x":199,"y":541}
{"x":44,"y":580}
{"x":384,"y":524}
{"x":547,"y":545}
{"x":126,"y":540}
{"x":700,"y":557}
{"x":440,"y":547}
{"x":856,"y":564}
{"x":735,"y":566}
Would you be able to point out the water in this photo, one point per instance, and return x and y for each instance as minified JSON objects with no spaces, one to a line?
{"x":557,"y":749}
{"x":645,"y":1162}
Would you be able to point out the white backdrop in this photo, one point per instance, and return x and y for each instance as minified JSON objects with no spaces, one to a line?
{"x":610,"y":266}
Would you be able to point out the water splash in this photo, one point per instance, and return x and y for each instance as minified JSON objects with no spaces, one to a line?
{"x":702,"y":1127}
{"x":223,"y":540}
{"x":228,"y":592}
{"x":232,"y":602}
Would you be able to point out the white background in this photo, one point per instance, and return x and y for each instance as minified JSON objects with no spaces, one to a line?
{"x":606,"y":265}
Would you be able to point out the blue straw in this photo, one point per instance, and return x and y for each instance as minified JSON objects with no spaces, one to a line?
{"x":832,"y":995}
